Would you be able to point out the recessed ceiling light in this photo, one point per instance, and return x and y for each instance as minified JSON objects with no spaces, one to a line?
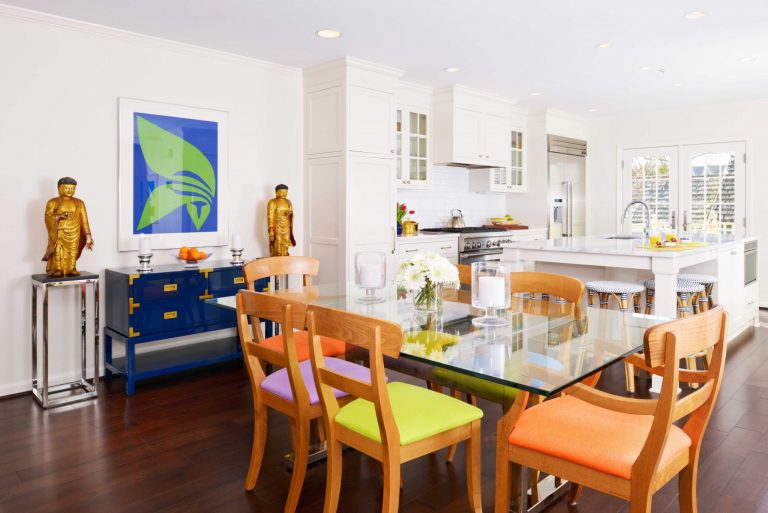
{"x":646,"y":68}
{"x":328,"y":33}
{"x":592,"y":109}
{"x":535,"y":93}
{"x":749,"y":59}
{"x":452,"y":69}
{"x":696,"y":15}
{"x":677,"y":84}
{"x":604,"y":45}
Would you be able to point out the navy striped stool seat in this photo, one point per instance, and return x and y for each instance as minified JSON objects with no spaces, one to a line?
{"x":706,"y":301}
{"x":623,"y":291}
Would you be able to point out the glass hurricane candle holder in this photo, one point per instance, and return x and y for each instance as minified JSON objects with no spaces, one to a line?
{"x":370,"y":274}
{"x":490,"y":292}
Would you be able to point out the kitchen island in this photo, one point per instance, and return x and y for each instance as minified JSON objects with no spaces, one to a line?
{"x":608,"y":258}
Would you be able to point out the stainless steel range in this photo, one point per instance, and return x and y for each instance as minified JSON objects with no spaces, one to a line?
{"x":477,"y":244}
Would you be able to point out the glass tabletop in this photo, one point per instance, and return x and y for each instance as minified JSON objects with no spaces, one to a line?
{"x":547,"y":346}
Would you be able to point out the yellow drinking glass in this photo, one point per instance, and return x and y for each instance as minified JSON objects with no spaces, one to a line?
{"x":670,"y":236}
{"x":654,"y":239}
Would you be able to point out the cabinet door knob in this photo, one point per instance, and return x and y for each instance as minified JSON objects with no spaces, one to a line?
{"x":392,"y":151}
{"x":479,"y":156}
{"x":487,"y":156}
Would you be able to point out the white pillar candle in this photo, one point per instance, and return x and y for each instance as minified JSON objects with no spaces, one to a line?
{"x":236,"y":243}
{"x":370,"y":276}
{"x":491,"y":293}
{"x":145,"y":246}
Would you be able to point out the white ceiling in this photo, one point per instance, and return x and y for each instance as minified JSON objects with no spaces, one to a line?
{"x":510,"y":47}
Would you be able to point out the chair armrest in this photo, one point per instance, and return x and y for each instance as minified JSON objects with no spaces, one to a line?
{"x":612,"y":402}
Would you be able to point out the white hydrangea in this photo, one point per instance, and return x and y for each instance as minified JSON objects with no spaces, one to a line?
{"x":414,"y":273}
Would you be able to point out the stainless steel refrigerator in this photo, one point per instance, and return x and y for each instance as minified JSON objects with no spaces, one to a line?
{"x":567,"y":172}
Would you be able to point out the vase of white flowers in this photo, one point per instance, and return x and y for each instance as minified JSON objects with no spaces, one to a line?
{"x":424,"y":275}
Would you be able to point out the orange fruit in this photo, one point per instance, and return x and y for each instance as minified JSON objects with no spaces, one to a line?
{"x":194,"y":254}
{"x":183,"y":253}
{"x":201,"y":255}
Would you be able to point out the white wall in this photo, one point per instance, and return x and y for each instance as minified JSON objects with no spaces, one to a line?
{"x":713,"y":123}
{"x":58,"y":116}
{"x":449,"y":190}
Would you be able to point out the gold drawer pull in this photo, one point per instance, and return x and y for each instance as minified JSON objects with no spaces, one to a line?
{"x":239,"y":280}
{"x":171,"y":287}
{"x":206,"y":296}
{"x":170,"y":315}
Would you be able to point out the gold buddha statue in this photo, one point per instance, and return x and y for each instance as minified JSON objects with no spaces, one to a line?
{"x":280,"y":222}
{"x":68,"y":231}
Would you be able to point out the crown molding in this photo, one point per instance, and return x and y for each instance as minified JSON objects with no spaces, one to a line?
{"x":40,"y":18}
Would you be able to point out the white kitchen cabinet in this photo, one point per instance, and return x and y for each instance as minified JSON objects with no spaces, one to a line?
{"x":413,"y":147}
{"x":503,"y":179}
{"x":371,"y":118}
{"x":446,"y":247}
{"x":349,"y":170}
{"x":471,"y":128}
{"x":729,"y":289}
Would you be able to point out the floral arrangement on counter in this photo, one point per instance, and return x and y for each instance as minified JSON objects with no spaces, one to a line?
{"x":425,"y":274}
{"x":402,"y":210}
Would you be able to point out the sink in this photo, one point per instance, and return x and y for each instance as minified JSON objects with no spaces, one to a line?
{"x":622,"y":237}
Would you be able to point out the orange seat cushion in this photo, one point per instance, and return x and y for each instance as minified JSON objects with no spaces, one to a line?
{"x":331,"y":346}
{"x":582,"y":433}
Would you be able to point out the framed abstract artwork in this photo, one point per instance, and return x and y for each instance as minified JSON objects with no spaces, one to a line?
{"x":173,"y":175}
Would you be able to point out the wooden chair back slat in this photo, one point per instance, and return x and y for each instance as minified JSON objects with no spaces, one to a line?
{"x":357,"y":329}
{"x":270,"y":307}
{"x":346,"y":384}
{"x":558,"y":285}
{"x":465,"y":274}
{"x":693,"y":334}
{"x":279,"y":266}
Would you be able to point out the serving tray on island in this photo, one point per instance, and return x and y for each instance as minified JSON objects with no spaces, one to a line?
{"x":508,"y":226}
{"x":681,"y":246}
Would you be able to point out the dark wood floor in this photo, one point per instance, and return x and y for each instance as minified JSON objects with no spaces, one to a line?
{"x":182,"y":445}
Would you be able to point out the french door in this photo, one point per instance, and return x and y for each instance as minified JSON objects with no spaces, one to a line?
{"x":691,"y":188}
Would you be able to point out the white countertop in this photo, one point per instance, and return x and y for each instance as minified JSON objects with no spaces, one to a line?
{"x":602,"y":245}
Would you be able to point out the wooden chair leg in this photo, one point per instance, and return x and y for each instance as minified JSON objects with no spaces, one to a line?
{"x":320,"y":427}
{"x":603,"y":300}
{"x":695,"y":303}
{"x":623,"y":302}
{"x":690,"y":363}
{"x":257,"y":451}
{"x":708,"y":290}
{"x":687,"y":489}
{"x":574,"y":492}
{"x":505,"y":477}
{"x":648,"y":301}
{"x":300,"y":461}
{"x":629,"y":376}
{"x":391,"y":498}
{"x":333,"y":477}
{"x":474,"y":484}
{"x":590,"y":297}
{"x":636,"y":302}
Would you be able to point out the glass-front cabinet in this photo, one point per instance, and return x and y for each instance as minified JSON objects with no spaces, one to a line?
{"x":413,"y":159}
{"x":502,"y":179}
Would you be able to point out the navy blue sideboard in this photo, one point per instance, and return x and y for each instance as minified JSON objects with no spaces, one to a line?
{"x":166,"y":303}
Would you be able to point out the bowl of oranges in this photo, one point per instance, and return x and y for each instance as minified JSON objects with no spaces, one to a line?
{"x":191,"y":257}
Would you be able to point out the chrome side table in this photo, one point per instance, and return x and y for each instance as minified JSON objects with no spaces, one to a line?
{"x":82,"y":389}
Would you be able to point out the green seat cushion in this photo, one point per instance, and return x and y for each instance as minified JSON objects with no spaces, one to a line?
{"x":419,"y":413}
{"x":495,"y":392}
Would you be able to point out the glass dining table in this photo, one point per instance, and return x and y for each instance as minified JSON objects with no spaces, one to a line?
{"x":546,"y":347}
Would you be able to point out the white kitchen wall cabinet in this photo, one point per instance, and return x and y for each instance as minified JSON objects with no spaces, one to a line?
{"x":350,"y":164}
{"x":503,"y":179}
{"x":413,"y":131}
{"x":471,"y":128}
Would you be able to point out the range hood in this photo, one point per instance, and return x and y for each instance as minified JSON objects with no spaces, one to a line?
{"x":566,"y":146}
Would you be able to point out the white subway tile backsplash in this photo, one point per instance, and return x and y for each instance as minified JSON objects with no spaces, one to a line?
{"x":449,"y":190}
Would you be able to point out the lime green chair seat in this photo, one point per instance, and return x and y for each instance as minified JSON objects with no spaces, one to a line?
{"x":419,"y":413}
{"x":494,"y":392}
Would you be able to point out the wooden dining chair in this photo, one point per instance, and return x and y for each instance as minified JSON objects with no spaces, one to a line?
{"x":272,"y":267}
{"x":392,"y":423}
{"x":306,"y":267}
{"x":625,"y":447}
{"x":290,"y":390}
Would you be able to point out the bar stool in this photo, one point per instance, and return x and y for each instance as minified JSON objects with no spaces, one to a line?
{"x":706,"y":301}
{"x":687,"y":293}
{"x":621,"y":290}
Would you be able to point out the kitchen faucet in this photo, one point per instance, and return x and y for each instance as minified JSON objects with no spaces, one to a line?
{"x":632,"y":203}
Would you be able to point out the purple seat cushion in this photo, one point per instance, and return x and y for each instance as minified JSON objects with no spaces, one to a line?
{"x":277,"y":383}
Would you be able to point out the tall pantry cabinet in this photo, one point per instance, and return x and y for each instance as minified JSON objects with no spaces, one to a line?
{"x":349,"y":164}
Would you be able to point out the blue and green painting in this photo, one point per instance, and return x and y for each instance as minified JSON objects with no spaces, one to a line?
{"x":175,"y":174}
